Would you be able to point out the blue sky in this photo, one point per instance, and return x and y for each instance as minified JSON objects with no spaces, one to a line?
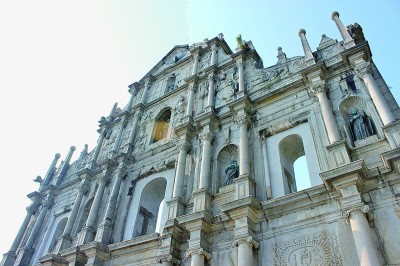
{"x":64,"y":63}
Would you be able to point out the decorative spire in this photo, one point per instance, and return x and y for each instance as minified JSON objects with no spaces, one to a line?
{"x":347,"y":40}
{"x":309,"y":58}
{"x":50,"y":172}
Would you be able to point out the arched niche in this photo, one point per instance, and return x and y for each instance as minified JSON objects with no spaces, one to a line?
{"x":226,"y":155}
{"x":57,"y":233}
{"x":149,"y":206}
{"x":161,"y":126}
{"x":84,"y":215}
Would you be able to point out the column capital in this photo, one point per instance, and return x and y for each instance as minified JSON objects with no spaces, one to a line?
{"x":48,"y":202}
{"x":248,"y":240}
{"x":84,"y":187}
{"x":211,"y":76}
{"x":243,"y":120}
{"x":363,"y":69}
{"x":364,"y":209}
{"x":239,"y":62}
{"x":207,"y":136}
{"x":184,"y":145}
{"x":167,"y":258}
{"x":133,"y":88}
{"x":198,"y":251}
{"x":319,"y":87}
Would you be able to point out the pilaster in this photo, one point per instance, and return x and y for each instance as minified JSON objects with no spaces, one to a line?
{"x":97,"y":253}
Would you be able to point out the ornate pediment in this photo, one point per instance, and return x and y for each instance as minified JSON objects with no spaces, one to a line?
{"x":177,"y":54}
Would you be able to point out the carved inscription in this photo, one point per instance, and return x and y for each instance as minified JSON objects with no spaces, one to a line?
{"x":320,"y":249}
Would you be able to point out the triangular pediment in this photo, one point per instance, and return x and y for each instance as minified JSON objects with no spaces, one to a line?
{"x":177,"y":54}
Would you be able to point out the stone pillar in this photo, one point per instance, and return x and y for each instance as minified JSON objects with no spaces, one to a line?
{"x":132,"y":134}
{"x":98,"y":147}
{"x":25,"y":254}
{"x":105,"y":229}
{"x":132,"y":90}
{"x":146,"y":89}
{"x":347,"y":40}
{"x":241,"y":75}
{"x":245,"y":250}
{"x":50,"y":172}
{"x":118,"y":139}
{"x":309,"y":58}
{"x":364,"y":71}
{"x":180,"y":169}
{"x":319,"y":88}
{"x":10,"y":256}
{"x":366,"y":248}
{"x":244,"y":168}
{"x":205,"y":167}
{"x":64,"y":166}
{"x":198,"y":256}
{"x":210,"y":99}
{"x":189,"y":109}
{"x":214,"y":57}
{"x":266,"y":167}
{"x":196,"y":63}
{"x":65,"y":240}
{"x":87,"y":233}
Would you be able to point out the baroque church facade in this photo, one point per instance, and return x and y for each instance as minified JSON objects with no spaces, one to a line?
{"x":198,"y":167}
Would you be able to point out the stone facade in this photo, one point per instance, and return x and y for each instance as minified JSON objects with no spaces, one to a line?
{"x":198,"y":168}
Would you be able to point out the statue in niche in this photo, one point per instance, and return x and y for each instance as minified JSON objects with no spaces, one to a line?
{"x":231,"y":172}
{"x":360,"y":125}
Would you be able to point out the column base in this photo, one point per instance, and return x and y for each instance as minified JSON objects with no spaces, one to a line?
{"x":52,"y":260}
{"x":62,"y":243}
{"x":103,"y":234}
{"x":202,"y":200}
{"x":85,"y":236}
{"x":24,"y":256}
{"x":97,"y":253}
{"x":176,"y":208}
{"x":339,"y":153}
{"x":8,"y":258}
{"x":244,"y":187}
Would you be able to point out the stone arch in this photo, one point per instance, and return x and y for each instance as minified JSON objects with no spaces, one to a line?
{"x":161,"y":126}
{"x":84,"y":215}
{"x":227,"y":154}
{"x":149,"y":207}
{"x":57,"y":233}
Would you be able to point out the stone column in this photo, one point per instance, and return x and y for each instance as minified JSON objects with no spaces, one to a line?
{"x":205,"y":167}
{"x":214,"y":58}
{"x":364,"y":71}
{"x":198,"y":256}
{"x":241,"y":75}
{"x":87,"y":233}
{"x":132,"y":90}
{"x":309,"y":58}
{"x":10,"y":256}
{"x":244,"y":168}
{"x":210,"y":99}
{"x":65,"y":240}
{"x":366,"y":248}
{"x":98,"y":147}
{"x":180,"y":169}
{"x":347,"y":40}
{"x":196,"y":63}
{"x":64,"y":166}
{"x":105,"y":229}
{"x":50,"y":172}
{"x":319,"y":88}
{"x":189,"y":109}
{"x":145,"y":90}
{"x":118,"y":139}
{"x":245,"y":250}
{"x":266,"y":166}
{"x":132,"y":134}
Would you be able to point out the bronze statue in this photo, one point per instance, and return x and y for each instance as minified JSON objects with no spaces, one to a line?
{"x":232,"y":171}
{"x":360,"y":125}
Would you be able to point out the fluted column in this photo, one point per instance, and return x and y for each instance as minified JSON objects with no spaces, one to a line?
{"x":198,"y":256}
{"x":319,"y":88}
{"x":214,"y":57}
{"x":180,"y":169}
{"x":364,"y":71}
{"x":50,"y":172}
{"x":243,"y":146}
{"x":104,"y":232}
{"x":366,"y":248}
{"x":211,"y":91}
{"x":266,"y":166}
{"x":245,"y":250}
{"x":241,"y":75}
{"x":347,"y":40}
{"x":189,"y":109}
{"x":309,"y":58}
{"x":205,"y":167}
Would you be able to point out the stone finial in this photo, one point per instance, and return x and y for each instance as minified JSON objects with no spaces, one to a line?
{"x":334,"y":14}
{"x":221,"y":36}
{"x":309,"y":58}
{"x":302,"y":31}
{"x":112,"y":113}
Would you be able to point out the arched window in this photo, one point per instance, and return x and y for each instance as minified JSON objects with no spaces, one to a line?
{"x":57,"y":233}
{"x":84,"y":215}
{"x":149,"y":207}
{"x":291,"y":148}
{"x":161,"y":126}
